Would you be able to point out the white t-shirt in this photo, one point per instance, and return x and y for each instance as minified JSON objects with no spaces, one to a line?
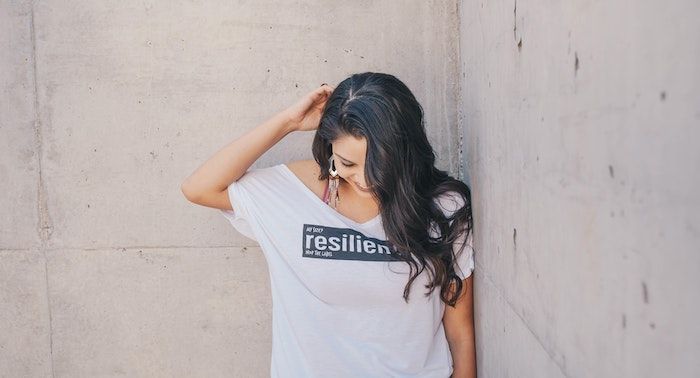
{"x":337,"y":295}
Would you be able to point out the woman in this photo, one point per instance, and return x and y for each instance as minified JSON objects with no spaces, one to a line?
{"x":347,"y":236}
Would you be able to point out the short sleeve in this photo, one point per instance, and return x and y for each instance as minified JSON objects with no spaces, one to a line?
{"x":237,"y":216}
{"x":250,"y":197}
{"x":464,"y":256}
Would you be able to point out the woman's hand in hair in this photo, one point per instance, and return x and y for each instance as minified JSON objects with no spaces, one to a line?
{"x":305,"y":114}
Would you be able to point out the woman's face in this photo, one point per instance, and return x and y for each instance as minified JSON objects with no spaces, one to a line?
{"x":349,"y":160}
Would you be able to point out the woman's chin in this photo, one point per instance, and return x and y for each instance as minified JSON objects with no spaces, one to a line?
{"x":361,"y":191}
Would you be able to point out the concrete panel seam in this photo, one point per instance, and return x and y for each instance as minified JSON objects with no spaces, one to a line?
{"x":48,"y":305}
{"x":524,"y":322}
{"x":118,"y":248}
{"x":41,"y":204}
{"x":44,"y":220}
{"x":135,"y":247}
{"x":460,"y":100}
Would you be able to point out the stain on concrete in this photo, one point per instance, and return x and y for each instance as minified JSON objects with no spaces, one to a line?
{"x":611,"y":171}
{"x":576,"y":63}
{"x":515,"y":243}
{"x":520,"y":44}
{"x":145,"y":257}
{"x":662,"y":96}
{"x":515,"y":19}
{"x":645,"y":292}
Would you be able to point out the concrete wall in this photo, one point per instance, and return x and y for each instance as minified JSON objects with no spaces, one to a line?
{"x":580,"y":124}
{"x":579,"y":128}
{"x":105,"y":268}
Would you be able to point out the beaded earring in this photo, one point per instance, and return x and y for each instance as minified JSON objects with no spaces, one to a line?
{"x":333,"y":183}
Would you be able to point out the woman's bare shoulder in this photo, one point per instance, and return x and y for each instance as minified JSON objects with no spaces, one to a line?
{"x":307,"y":171}
{"x":304,"y":168}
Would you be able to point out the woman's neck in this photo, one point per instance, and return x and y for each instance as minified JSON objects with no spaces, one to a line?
{"x":349,"y":194}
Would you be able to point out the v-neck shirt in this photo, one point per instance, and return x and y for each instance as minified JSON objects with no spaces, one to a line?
{"x":337,"y":289}
{"x":327,"y":199}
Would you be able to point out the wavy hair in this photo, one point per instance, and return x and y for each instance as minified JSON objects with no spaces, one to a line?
{"x":400,"y":170}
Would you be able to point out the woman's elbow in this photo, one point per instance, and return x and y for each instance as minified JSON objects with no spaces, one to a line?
{"x":189,"y":192}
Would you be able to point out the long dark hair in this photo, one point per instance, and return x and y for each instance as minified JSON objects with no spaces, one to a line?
{"x":400,"y":169}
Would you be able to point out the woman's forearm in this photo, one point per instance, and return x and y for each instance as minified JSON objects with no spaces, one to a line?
{"x":233,"y":160}
{"x":463,"y":358}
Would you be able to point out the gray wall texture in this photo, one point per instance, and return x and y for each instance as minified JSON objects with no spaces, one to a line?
{"x":580,"y":124}
{"x":105,"y":268}
{"x":576,"y":124}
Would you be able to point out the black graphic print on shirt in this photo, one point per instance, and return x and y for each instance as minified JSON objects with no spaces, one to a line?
{"x":325,"y":242}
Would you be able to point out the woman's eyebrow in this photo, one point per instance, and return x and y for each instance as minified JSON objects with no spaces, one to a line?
{"x":343,"y":158}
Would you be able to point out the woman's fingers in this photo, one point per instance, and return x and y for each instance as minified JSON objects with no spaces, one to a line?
{"x":322,"y":93}
{"x":325,"y":88}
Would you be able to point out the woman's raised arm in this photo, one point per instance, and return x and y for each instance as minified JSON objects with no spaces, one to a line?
{"x":233,"y":160}
{"x":205,"y":185}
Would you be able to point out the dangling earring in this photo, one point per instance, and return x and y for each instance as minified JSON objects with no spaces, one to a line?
{"x":333,"y":184}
